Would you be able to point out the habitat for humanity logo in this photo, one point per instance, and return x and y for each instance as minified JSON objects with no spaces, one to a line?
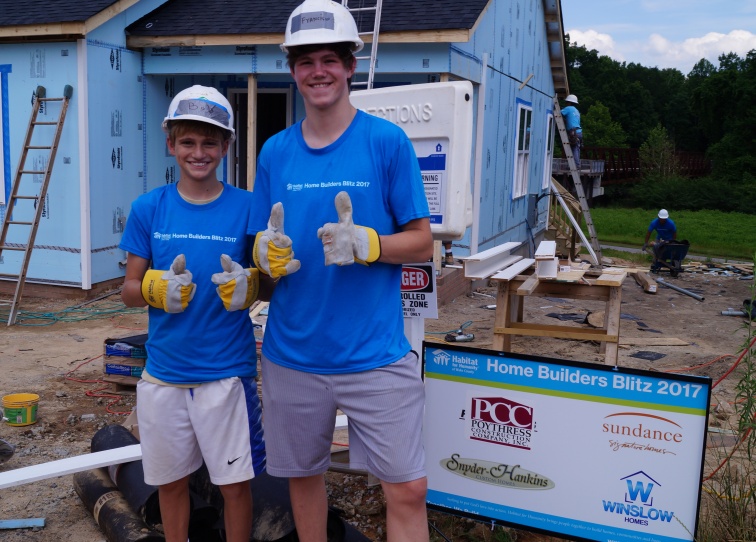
{"x":642,"y":432}
{"x":440,"y":357}
{"x":497,"y":474}
{"x":501,"y":421}
{"x":638,"y":503}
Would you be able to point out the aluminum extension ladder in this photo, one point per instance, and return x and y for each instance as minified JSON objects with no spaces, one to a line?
{"x":356,"y":11}
{"x":576,"y":180}
{"x":17,"y":194}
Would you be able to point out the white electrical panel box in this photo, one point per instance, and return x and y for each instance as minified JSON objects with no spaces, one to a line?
{"x":438,"y":118}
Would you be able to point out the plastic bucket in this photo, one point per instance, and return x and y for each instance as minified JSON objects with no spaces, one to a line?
{"x":20,"y":408}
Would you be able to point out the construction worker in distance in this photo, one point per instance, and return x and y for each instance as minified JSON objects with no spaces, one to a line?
{"x":197,"y":398}
{"x":572,"y":125}
{"x":665,"y":231}
{"x":334,"y":337}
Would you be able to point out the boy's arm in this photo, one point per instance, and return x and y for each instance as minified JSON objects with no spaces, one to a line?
{"x":131,"y":293}
{"x":413,"y":244}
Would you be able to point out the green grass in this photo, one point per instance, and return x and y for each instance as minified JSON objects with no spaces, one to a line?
{"x":711,"y":233}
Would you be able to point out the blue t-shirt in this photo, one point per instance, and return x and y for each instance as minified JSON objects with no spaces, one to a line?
{"x":332,"y":319}
{"x":205,"y":342}
{"x":664,"y":231}
{"x":572,"y":118}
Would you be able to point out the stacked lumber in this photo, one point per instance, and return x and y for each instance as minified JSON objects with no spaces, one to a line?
{"x":744,"y":270}
{"x":123,"y":362}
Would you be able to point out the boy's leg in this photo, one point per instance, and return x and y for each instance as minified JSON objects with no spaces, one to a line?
{"x":309,"y":503}
{"x":406,"y":513}
{"x":174,"y":509}
{"x":237,"y":511}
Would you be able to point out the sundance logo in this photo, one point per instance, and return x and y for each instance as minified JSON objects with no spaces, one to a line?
{"x":497,"y":474}
{"x":642,"y":432}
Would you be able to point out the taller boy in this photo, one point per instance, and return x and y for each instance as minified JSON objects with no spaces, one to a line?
{"x":335,"y":332}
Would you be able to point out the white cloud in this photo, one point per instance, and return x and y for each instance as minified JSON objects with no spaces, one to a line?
{"x":659,"y":51}
{"x":685,"y":54}
{"x":591,"y":39}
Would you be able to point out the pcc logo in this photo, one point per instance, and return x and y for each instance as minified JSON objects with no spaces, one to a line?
{"x":501,"y":421}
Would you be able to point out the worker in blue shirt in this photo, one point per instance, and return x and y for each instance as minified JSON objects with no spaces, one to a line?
{"x":572,"y":124}
{"x":666,"y":231}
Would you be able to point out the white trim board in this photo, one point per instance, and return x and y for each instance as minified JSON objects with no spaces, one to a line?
{"x":70,"y":465}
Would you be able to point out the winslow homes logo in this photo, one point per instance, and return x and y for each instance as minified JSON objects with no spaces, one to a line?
{"x":501,"y":421}
{"x":497,"y":474}
{"x":637,"y":505}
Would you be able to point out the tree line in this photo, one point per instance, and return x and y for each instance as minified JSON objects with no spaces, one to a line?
{"x":710,"y":110}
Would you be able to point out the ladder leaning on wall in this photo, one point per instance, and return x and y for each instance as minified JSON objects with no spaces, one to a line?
{"x":576,"y":180}
{"x":19,"y":193}
{"x":356,"y":11}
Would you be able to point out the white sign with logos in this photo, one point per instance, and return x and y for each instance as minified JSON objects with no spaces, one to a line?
{"x":585,"y":451}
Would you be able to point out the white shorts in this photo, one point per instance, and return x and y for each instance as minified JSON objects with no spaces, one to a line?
{"x":219,"y":422}
{"x":385,"y":409}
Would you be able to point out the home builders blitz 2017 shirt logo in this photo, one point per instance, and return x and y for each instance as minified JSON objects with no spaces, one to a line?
{"x":501,"y":421}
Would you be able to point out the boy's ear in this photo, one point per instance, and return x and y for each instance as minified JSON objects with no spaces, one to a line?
{"x":171,"y":147}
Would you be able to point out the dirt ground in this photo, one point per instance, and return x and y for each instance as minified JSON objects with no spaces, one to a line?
{"x":62,"y":362}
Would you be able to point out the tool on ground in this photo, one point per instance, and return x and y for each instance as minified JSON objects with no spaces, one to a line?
{"x":459,"y":337}
{"x":25,"y":215}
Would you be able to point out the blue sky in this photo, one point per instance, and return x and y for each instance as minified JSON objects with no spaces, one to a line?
{"x":662,"y":33}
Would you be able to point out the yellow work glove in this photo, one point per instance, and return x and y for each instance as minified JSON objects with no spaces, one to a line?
{"x":170,"y":290}
{"x":237,"y":287}
{"x":272,"y":251}
{"x":344,"y":242}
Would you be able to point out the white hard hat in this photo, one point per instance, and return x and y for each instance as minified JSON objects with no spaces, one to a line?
{"x":663,"y":214}
{"x":204,"y":104}
{"x":316,"y":22}
{"x":571,"y":99}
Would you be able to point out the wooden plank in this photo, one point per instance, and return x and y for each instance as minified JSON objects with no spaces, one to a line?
{"x":646,"y":282}
{"x":608,"y":279}
{"x":257,"y":309}
{"x":70,"y":465}
{"x":513,"y":270}
{"x":546,"y":250}
{"x":527,"y":287}
{"x":652,"y":341}
{"x":559,"y":332}
{"x":29,"y":523}
{"x":570,"y":276}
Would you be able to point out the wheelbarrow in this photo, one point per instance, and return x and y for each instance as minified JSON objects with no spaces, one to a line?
{"x":669,"y":255}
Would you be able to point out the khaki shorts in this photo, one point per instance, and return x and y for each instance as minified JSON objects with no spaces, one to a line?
{"x":384,"y":406}
{"x":219,"y":422}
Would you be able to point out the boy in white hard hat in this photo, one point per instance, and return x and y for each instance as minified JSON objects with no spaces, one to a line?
{"x":572,"y":125}
{"x":666,"y":231}
{"x":335,"y":334}
{"x":197,"y":399}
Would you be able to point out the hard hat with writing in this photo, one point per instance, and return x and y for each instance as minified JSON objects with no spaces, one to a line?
{"x":572,"y":99}
{"x":663,"y":214}
{"x":204,"y":104}
{"x":316,"y":22}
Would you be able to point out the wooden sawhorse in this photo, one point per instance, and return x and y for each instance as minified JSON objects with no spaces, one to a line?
{"x":509,"y":313}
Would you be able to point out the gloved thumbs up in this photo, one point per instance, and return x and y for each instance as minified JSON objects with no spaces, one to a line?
{"x":170,"y":290}
{"x":272,"y":252}
{"x":344,"y":242}
{"x":237,"y":287}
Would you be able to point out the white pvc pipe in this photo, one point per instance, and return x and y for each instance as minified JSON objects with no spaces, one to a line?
{"x":82,"y":101}
{"x":574,"y":223}
{"x":475,"y":231}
